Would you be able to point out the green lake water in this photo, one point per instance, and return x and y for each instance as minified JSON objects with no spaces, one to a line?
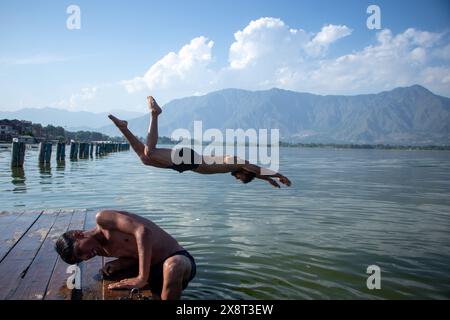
{"x":347,"y":209}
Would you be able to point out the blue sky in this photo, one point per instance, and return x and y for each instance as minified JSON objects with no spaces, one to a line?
{"x":121,"y":53}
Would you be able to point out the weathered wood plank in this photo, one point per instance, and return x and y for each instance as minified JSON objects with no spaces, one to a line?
{"x":57,"y":286}
{"x":11,"y":232}
{"x":91,"y":279}
{"x":33,"y":284}
{"x":7,"y":218}
{"x":23,"y":253}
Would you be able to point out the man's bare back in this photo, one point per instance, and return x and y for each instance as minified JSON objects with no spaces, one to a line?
{"x":121,"y":245}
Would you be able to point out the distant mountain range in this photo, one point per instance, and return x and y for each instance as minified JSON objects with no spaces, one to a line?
{"x":70,"y":120}
{"x":408,"y":116}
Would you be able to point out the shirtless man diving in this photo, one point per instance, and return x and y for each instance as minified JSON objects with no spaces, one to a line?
{"x":138,"y":244}
{"x":163,"y":157}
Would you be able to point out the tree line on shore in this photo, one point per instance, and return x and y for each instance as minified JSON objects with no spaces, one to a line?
{"x":169,"y":141}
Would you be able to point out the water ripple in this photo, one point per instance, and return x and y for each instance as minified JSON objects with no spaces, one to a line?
{"x":346,"y":210}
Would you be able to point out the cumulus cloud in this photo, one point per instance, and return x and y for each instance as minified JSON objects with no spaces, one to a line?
{"x":269,"y":53}
{"x":265,"y":39}
{"x":395,"y":60}
{"x":329,"y":34}
{"x":184,"y":71}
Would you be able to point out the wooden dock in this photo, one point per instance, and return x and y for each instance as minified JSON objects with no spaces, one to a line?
{"x":30,"y":268}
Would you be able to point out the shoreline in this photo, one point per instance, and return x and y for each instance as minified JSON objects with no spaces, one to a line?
{"x":7,"y":145}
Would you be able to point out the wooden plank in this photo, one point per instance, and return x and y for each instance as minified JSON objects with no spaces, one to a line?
{"x":23,"y":253}
{"x":33,"y":284}
{"x":7,"y":218}
{"x":15,"y":229}
{"x":107,"y":293}
{"x":57,"y":286}
{"x":91,"y":279}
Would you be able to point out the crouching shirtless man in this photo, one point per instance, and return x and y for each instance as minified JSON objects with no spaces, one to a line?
{"x":138,"y":244}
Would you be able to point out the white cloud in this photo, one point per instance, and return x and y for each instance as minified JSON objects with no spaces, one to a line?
{"x":268,"y":53}
{"x":393,"y":61}
{"x":78,"y":100}
{"x":329,"y":34}
{"x":265,"y":39}
{"x":438,"y":77}
{"x":442,"y":53}
{"x":185,"y":71}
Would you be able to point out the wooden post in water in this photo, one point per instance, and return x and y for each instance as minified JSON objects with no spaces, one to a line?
{"x":88,"y":150}
{"x":73,"y":150}
{"x":18,"y":154}
{"x":41,"y":152}
{"x":45,"y":152}
{"x":61,"y":151}
{"x":48,"y":152}
{"x":84,"y":150}
{"x":91,"y":150}
{"x":81,"y":151}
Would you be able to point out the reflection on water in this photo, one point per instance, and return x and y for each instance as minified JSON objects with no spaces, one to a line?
{"x":346,"y":210}
{"x":18,"y":179}
{"x":60,"y":165}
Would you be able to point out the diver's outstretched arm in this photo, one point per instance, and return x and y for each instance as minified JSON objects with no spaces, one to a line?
{"x":268,"y":179}
{"x":257,"y":170}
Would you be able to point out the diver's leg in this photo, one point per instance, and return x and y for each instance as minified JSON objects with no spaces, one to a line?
{"x":152,"y":134}
{"x":137,"y":145}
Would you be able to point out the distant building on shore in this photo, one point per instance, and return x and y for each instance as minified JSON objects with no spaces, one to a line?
{"x":10,"y":129}
{"x":29,"y":132}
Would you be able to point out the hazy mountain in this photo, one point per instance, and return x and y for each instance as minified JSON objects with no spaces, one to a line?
{"x":411,"y":115}
{"x":80,"y":120}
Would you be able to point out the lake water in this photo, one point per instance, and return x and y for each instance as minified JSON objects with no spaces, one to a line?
{"x":346,"y":210}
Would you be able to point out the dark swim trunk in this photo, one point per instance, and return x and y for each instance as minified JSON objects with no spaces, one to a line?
{"x":193,"y":164}
{"x":156,"y":272}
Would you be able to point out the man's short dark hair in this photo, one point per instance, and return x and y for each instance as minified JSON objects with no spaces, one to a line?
{"x":247,"y":175}
{"x":65,"y":247}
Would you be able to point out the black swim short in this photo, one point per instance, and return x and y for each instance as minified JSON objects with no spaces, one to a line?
{"x":195,"y":160}
{"x":156,"y":272}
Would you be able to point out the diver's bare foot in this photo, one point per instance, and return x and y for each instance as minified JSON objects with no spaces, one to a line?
{"x":154,"y":107}
{"x":122,"y":124}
